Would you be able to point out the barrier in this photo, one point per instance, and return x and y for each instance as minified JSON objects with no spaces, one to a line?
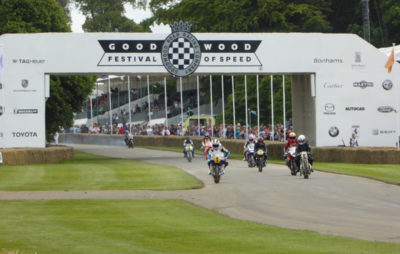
{"x":375,"y":155}
{"x":50,"y":154}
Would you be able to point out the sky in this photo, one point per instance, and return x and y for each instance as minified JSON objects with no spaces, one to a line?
{"x":137,"y":15}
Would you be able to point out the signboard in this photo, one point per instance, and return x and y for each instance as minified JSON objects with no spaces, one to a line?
{"x":352,"y":89}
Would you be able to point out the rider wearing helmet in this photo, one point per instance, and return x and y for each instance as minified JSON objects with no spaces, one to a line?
{"x":261,"y":145}
{"x":205,"y":141}
{"x":292,"y":141}
{"x":127,"y":137}
{"x":303,"y":146}
{"x":187,"y":141}
{"x":216,"y":146}
{"x":250,"y":141}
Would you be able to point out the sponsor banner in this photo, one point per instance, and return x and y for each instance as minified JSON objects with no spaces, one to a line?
{"x":25,"y":87}
{"x":363,"y":84}
{"x":352,"y":108}
{"x":387,"y":85}
{"x":355,"y":130}
{"x":28,"y":61}
{"x":382,"y":132}
{"x":328,"y":60}
{"x":25,"y":111}
{"x":333,"y":131}
{"x":329,"y":109}
{"x":24,"y":134}
{"x":332,"y":85}
{"x":358,"y":63}
{"x":386,"y":109}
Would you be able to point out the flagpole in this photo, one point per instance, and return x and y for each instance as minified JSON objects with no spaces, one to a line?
{"x":211,"y":104}
{"x":109,"y":99}
{"x":284,"y":108}
{"x":180,"y":81}
{"x":258,"y":108}
{"x":165,"y":102}
{"x":245,"y":108}
{"x":398,"y":105}
{"x":223,"y":107}
{"x":272,"y":107}
{"x":91,"y":111}
{"x":148,"y":97}
{"x":233,"y":107}
{"x":129,"y":103}
{"x":198,"y":104}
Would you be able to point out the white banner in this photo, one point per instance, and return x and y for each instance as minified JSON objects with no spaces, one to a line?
{"x":353,"y":91}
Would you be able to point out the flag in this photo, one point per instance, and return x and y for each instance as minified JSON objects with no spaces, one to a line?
{"x":390,"y":61}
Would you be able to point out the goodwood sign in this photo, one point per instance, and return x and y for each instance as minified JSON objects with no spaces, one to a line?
{"x":180,"y":53}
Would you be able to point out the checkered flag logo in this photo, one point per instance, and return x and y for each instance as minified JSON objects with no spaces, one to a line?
{"x":181,"y":51}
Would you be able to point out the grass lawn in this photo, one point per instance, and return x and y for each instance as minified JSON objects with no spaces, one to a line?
{"x":384,"y":172}
{"x":154,"y":226}
{"x":91,"y":172}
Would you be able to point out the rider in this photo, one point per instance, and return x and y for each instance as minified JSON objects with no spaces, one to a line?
{"x":187,"y":141}
{"x":205,"y":141}
{"x":127,"y":136}
{"x":303,"y":146}
{"x":250,"y":141}
{"x":292,"y":141}
{"x":261,"y":145}
{"x":217,"y":146}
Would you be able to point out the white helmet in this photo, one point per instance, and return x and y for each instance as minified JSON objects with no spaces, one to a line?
{"x":301,"y":139}
{"x":251,"y":137}
{"x":216,"y":143}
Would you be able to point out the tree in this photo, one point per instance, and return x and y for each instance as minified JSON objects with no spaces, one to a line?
{"x":243,"y":15}
{"x":67,"y":94}
{"x":107,"y":16}
{"x":32,"y":16}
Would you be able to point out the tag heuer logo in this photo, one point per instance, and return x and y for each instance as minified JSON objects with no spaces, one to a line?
{"x":181,"y":53}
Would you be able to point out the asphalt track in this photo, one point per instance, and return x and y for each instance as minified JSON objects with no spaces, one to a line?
{"x":327,"y":203}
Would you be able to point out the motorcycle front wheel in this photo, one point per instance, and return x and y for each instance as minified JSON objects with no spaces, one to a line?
{"x":189,"y":156}
{"x":217,"y":177}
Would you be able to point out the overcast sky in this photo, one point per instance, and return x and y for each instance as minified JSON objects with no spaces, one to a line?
{"x":137,"y":15}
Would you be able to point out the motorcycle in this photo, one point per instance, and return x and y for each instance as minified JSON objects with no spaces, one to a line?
{"x":217,"y":163}
{"x":250,"y":155}
{"x":129,"y":142}
{"x":305,"y":167}
{"x":259,"y":158}
{"x":189,"y":152}
{"x":290,"y":160}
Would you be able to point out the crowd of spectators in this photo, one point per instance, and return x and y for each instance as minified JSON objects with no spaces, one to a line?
{"x":278,"y":133}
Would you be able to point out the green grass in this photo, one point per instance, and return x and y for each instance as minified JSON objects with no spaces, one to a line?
{"x":384,"y":172}
{"x":389,"y":173}
{"x":91,"y":172}
{"x":154,"y":226}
